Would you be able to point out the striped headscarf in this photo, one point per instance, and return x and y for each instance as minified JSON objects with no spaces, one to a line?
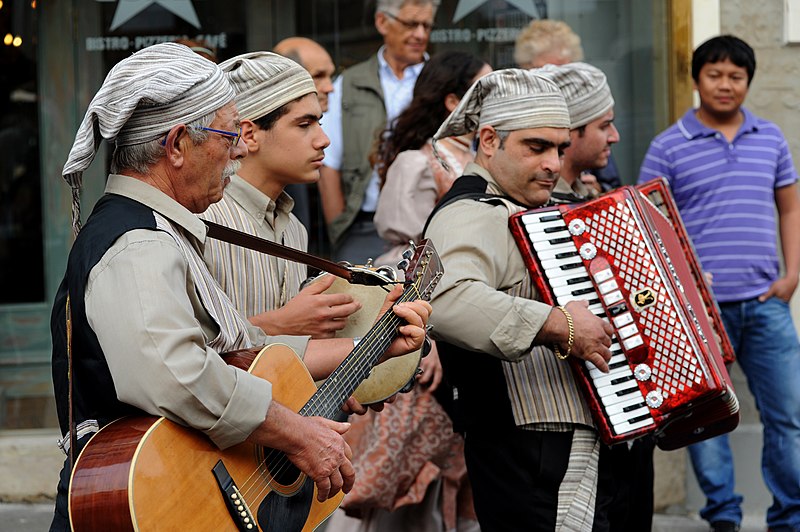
{"x":508,"y":100}
{"x":143,"y":97}
{"x":265,"y":81}
{"x":585,"y":89}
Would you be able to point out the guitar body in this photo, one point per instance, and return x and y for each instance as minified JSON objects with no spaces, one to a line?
{"x":148,"y":473}
{"x":388,"y":377}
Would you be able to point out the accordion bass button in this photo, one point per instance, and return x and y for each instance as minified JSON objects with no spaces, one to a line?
{"x":642,"y":372}
{"x":588,"y":251}
{"x":654,"y":399}
{"x":576,"y":227}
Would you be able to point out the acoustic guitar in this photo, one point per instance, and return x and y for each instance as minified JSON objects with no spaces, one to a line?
{"x":147,"y":473}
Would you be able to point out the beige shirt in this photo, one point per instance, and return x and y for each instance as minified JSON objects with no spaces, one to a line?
{"x":256,"y":282}
{"x":143,"y":304}
{"x":484,"y":303}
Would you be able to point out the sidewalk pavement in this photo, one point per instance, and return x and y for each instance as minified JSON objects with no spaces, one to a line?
{"x":18,"y":517}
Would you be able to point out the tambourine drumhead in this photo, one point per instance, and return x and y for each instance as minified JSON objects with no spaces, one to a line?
{"x":386,"y":378}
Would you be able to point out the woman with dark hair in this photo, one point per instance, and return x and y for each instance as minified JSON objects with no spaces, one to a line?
{"x":411,"y":176}
{"x":409,"y":463}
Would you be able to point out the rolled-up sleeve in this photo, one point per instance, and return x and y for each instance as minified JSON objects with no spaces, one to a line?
{"x":140,"y":304}
{"x":481,"y":261}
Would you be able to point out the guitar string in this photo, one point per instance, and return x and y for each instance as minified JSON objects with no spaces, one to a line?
{"x":375,"y":337}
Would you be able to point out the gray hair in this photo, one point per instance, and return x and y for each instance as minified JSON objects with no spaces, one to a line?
{"x":393,"y":6}
{"x":140,"y":157}
{"x":551,"y":37}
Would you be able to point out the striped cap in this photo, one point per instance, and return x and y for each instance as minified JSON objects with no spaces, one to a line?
{"x":265,"y":81}
{"x":584,"y":87}
{"x":508,"y":100}
{"x":143,"y":97}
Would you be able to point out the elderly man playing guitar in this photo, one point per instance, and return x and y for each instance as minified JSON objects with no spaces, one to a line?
{"x":139,"y":323}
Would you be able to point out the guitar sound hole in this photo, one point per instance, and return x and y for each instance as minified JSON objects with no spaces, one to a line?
{"x":279,"y":467}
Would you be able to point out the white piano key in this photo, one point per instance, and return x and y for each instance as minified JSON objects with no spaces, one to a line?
{"x":554,"y":273}
{"x":540,"y":227}
{"x":540,"y":236}
{"x":626,"y":427}
{"x":566,"y":281}
{"x":550,"y":264}
{"x":620,"y":371}
{"x":614,"y":389}
{"x":618,"y":419}
{"x":544,"y":244}
{"x":559,"y":252}
{"x":535,"y":217}
{"x":607,"y":379}
{"x":611,"y":410}
{"x":597,"y":309}
{"x":571,"y":288}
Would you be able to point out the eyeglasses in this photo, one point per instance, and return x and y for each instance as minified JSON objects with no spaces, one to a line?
{"x":410,"y":25}
{"x":234,"y":136}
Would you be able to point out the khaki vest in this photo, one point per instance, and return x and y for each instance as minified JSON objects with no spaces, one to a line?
{"x":363,"y":119}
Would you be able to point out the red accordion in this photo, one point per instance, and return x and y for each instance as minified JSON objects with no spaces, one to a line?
{"x":634,"y":264}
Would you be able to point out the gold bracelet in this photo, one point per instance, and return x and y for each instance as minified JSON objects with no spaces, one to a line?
{"x":571,"y":340}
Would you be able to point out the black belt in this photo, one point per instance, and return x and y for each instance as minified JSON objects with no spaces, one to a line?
{"x":364,"y":216}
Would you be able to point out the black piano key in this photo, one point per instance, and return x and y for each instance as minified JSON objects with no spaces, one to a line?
{"x":618,"y":364}
{"x":572,"y":266}
{"x":557,"y":229}
{"x":550,"y":217}
{"x":631,"y":408}
{"x":577,"y":280}
{"x":582,"y":291}
{"x":628,"y":391}
{"x":639,"y":418}
{"x":620,"y":380}
{"x":566,"y":255}
{"x":562,"y":240}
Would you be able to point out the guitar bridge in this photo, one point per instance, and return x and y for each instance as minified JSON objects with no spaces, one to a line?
{"x":234,"y":501}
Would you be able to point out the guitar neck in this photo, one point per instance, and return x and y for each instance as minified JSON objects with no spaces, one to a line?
{"x":341,"y":384}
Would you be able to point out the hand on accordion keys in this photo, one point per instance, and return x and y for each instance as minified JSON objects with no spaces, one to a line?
{"x":591,"y":336}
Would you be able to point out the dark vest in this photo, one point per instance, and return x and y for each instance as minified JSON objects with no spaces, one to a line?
{"x":94,"y":395}
{"x":474,"y":391}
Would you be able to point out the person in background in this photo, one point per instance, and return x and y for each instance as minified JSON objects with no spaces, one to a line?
{"x":412,"y":178}
{"x":366,"y":98}
{"x":592,"y":132}
{"x":625,"y":484}
{"x":138,"y":323}
{"x":553,"y":42}
{"x":530,"y":445}
{"x":279,"y":114}
{"x":735,"y":184}
{"x":314,"y":58}
{"x":200,"y":47}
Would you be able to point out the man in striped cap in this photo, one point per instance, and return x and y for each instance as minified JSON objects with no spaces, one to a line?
{"x":592,"y":130}
{"x":281,"y":130}
{"x":530,"y":447}
{"x":625,"y":489}
{"x":138,"y":322}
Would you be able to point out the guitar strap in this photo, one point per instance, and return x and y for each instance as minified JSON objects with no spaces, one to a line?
{"x":239,"y":238}
{"x":73,"y":433}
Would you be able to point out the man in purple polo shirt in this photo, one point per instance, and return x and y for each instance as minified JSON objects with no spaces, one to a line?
{"x":729,"y":170}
